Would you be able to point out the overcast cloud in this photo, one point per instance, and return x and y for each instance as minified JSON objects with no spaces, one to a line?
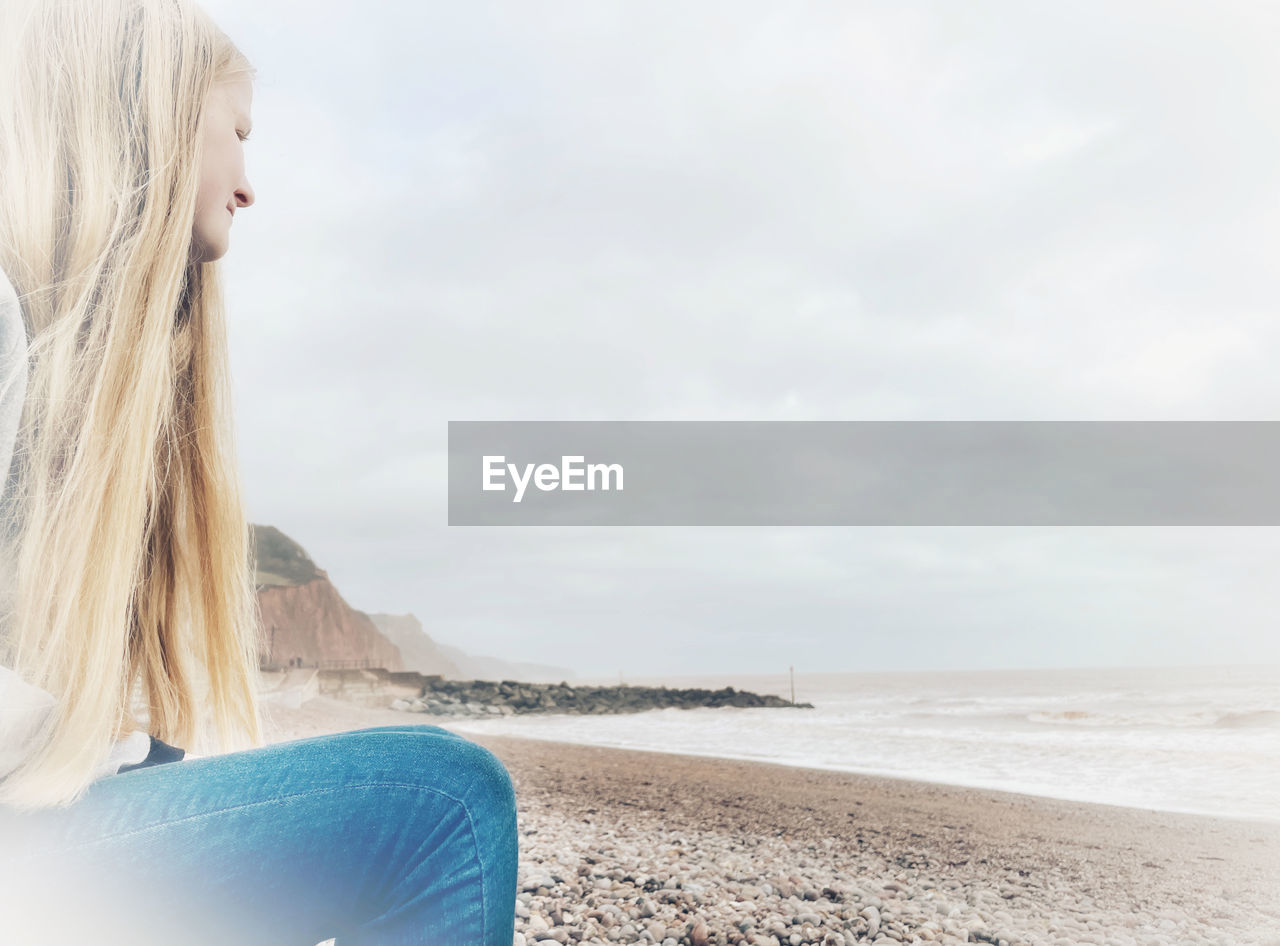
{"x":754,"y":211}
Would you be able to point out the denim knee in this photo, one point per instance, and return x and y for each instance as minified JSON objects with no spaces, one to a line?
{"x":489,"y":783}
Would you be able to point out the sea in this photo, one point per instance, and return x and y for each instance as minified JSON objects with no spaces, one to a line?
{"x":1202,"y":740}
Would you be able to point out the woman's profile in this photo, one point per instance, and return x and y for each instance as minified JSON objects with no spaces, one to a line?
{"x":126,"y":573}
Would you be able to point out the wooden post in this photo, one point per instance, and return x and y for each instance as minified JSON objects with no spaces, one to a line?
{"x":793,"y":685}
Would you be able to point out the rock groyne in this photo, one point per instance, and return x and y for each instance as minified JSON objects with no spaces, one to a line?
{"x":434,"y":695}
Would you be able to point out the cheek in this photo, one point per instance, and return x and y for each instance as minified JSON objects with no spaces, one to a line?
{"x":220,"y":168}
{"x":204,"y":197}
{"x":211,"y":197}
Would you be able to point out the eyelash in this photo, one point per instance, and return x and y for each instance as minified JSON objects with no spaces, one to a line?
{"x":244,"y":137}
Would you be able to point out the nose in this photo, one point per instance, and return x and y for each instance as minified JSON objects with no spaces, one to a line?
{"x":244,"y":195}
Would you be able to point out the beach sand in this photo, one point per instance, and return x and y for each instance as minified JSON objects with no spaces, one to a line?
{"x":635,"y":847}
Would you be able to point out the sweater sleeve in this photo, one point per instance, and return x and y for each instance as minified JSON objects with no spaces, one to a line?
{"x":13,"y":372}
{"x":25,"y":709}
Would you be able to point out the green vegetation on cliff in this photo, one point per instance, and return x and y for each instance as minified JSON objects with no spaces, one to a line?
{"x":280,"y":560}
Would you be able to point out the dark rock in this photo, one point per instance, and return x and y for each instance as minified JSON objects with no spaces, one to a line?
{"x":436,"y":694}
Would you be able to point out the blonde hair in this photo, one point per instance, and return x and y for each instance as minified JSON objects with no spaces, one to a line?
{"x":129,"y":554}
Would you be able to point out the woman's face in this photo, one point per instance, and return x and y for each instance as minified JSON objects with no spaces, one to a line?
{"x":223,"y":185}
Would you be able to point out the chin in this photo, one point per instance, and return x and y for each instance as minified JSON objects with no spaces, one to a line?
{"x":208,"y":251}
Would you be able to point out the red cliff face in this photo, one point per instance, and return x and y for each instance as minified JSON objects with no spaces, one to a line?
{"x":305,"y":622}
{"x":312,"y":624}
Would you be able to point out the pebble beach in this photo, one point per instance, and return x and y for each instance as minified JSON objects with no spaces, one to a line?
{"x":625,"y":846}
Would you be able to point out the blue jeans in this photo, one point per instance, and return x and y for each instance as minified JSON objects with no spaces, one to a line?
{"x":394,"y":835}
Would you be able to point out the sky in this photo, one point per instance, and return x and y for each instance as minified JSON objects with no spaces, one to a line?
{"x":753,"y":211}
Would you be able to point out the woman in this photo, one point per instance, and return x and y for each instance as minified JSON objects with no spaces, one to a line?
{"x":128,"y":623}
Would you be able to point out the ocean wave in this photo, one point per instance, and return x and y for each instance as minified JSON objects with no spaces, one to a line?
{"x":1201,"y":719}
{"x":1249,"y":719}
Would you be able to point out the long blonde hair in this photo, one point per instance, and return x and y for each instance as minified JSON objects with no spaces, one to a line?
{"x":129,"y":554}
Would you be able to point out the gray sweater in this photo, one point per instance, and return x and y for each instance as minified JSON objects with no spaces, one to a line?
{"x":25,"y":709}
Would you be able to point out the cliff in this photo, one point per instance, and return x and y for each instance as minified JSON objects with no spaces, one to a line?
{"x":492,"y":668}
{"x":426,"y":656}
{"x":305,"y":620}
{"x":307,"y":623}
{"x":418,"y":651}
